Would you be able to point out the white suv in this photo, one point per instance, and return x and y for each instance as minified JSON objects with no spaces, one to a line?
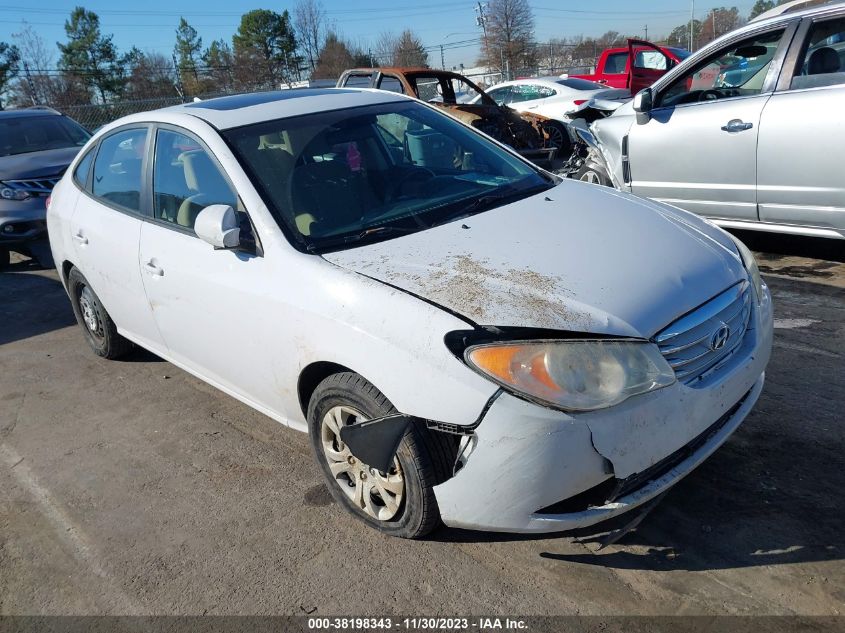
{"x":465,"y":336}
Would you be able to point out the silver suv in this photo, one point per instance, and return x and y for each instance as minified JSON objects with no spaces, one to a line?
{"x":745,"y":132}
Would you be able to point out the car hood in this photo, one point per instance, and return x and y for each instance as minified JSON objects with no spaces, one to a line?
{"x":51,"y":162}
{"x":577,"y":257}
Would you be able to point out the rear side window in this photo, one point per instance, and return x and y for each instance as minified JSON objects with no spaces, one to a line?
{"x":80,"y":174}
{"x":392,"y":84}
{"x":824,"y":59}
{"x":117,"y":168}
{"x":616,"y":63}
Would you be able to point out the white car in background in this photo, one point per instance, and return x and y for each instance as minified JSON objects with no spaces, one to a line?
{"x":552,"y":97}
{"x":464,"y":336}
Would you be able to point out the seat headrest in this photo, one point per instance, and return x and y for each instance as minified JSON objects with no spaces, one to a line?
{"x":823,"y":60}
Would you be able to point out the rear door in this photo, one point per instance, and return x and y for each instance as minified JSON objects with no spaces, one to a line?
{"x":799,"y":167}
{"x":698,"y":149}
{"x":648,"y":64}
{"x":106,"y":229}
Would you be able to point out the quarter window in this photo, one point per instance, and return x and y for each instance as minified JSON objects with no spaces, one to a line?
{"x":117,"y":168}
{"x":824,"y":60}
{"x":186,"y":180}
{"x":738,"y":71}
{"x":80,"y":174}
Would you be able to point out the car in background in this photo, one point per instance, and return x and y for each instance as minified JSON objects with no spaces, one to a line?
{"x":36,"y":146}
{"x":746,"y":132}
{"x":551,"y":97}
{"x":472,"y":341}
{"x":615,"y":70}
{"x":527,"y":133}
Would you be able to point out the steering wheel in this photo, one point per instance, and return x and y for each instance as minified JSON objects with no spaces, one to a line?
{"x":709,"y":95}
{"x":414,"y":173}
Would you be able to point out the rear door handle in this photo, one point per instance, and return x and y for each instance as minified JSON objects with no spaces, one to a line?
{"x":152,"y":269}
{"x":80,"y":238}
{"x":737,"y":125}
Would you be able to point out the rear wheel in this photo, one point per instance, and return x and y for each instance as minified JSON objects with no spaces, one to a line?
{"x":558,"y":137}
{"x":99,"y":329}
{"x":399,"y":502}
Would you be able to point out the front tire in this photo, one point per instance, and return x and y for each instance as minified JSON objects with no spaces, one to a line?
{"x":558,"y":137}
{"x":100,"y":331}
{"x":400,"y":502}
{"x":594,"y":173}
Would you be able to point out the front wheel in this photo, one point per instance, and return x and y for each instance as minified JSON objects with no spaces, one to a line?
{"x":100,"y":331}
{"x":558,"y":137}
{"x":399,"y":502}
{"x":594,"y":173}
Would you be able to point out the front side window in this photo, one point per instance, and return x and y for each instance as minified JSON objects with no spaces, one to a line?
{"x":824,"y":59}
{"x":25,"y":134}
{"x":737,"y":71}
{"x":365,"y":174}
{"x":186,"y":179}
{"x":117,"y":174}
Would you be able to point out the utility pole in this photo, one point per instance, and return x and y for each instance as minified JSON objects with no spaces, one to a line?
{"x":370,"y":55}
{"x":32,"y":94}
{"x":481,"y":21}
{"x":691,"y":22}
{"x":180,"y":88}
{"x":442,"y":59}
{"x":646,"y":32}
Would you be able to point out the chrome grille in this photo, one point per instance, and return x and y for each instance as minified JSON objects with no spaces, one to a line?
{"x":34,"y":185}
{"x":699,"y":341}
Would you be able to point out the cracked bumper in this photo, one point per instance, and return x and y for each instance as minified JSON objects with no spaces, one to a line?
{"x":525,"y":457}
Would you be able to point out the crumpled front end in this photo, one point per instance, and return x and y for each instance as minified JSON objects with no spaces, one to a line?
{"x":529,"y":468}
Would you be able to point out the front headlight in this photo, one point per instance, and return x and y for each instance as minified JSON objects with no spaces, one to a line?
{"x":750,"y":263}
{"x":7,"y":193}
{"x":575,"y":375}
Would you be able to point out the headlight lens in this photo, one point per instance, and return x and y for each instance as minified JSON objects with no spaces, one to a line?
{"x":750,"y":263}
{"x":577,"y":375}
{"x":7,"y":193}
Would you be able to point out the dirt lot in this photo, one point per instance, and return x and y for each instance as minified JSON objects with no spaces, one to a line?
{"x":133,"y":488}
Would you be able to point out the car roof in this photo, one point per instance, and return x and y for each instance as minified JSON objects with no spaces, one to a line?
{"x":245,"y":109}
{"x":794,"y":10}
{"x":27,"y":112}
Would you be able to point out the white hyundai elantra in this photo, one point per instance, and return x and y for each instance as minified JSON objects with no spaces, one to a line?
{"x":464,"y":336}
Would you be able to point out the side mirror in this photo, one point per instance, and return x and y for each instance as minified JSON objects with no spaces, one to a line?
{"x":643,"y":101}
{"x":217,"y":225}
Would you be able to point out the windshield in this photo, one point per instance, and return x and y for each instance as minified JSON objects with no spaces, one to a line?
{"x":350,"y":176}
{"x":21,"y":135}
{"x":579,"y":84}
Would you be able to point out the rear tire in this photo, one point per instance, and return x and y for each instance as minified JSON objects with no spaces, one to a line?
{"x":100,"y":331}
{"x":424,"y":459}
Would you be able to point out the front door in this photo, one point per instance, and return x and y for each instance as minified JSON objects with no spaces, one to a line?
{"x":698,"y":149}
{"x":210,"y":305}
{"x":648,"y":64}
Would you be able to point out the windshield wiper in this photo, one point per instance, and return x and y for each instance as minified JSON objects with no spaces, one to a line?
{"x":486,"y":201}
{"x":351,"y":238}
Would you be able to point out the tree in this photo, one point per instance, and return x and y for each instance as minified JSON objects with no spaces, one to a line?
{"x":90,"y":58}
{"x":333,"y":59}
{"x":508,"y":36}
{"x":309,"y":19}
{"x":718,"y":22}
{"x":10,"y":58}
{"x":187,"y":53}
{"x":265,"y":49}
{"x":409,"y":50}
{"x":151,"y":75}
{"x":761,"y":6}
{"x":219,"y":66}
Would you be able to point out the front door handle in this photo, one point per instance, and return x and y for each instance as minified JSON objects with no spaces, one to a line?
{"x":80,"y":238}
{"x":737,"y":125}
{"x":152,"y":269}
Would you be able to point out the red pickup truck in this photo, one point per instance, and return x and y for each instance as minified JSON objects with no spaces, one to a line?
{"x":614,"y":68}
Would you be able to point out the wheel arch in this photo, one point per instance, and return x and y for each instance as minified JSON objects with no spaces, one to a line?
{"x":311,"y":376}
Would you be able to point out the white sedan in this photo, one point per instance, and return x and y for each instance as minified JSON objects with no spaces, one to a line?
{"x":465,"y":337}
{"x":552,"y":97}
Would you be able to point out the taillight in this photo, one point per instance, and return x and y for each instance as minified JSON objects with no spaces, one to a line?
{"x":579,"y":101}
{"x":48,"y":201}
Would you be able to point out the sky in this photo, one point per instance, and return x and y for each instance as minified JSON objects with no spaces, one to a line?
{"x":150,"y":25}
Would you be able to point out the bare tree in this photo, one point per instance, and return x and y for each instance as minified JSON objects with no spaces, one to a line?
{"x":384,"y":48}
{"x":509,"y":36}
{"x":311,"y":26}
{"x":37,"y":81}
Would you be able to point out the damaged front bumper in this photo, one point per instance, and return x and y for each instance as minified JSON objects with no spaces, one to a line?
{"x":533,"y":469}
